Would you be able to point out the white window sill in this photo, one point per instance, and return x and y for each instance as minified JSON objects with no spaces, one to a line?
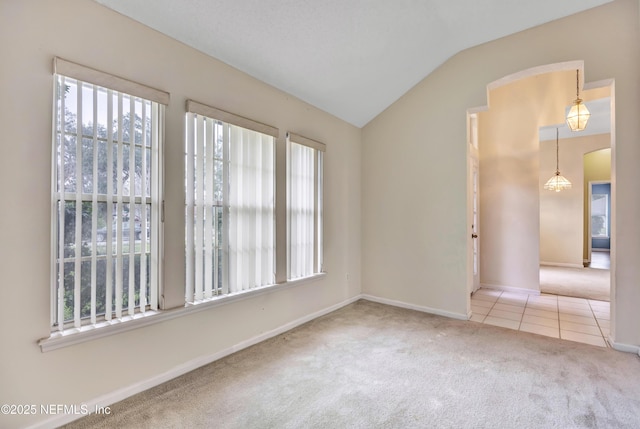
{"x":73,"y":336}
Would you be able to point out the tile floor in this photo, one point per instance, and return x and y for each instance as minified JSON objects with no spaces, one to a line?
{"x":568,"y":318}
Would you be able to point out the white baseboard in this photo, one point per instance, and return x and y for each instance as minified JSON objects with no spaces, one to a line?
{"x":562,"y":264}
{"x":510,"y":289}
{"x":621,"y":347}
{"x":121,"y":394}
{"x":459,"y":316}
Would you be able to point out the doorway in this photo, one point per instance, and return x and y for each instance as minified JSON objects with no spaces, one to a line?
{"x":509,"y":201}
{"x":599,"y":221}
{"x":568,"y":228}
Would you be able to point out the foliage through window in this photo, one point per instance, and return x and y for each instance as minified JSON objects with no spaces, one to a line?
{"x":105,"y":203}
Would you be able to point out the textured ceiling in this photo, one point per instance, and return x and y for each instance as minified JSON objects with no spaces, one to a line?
{"x":351,"y":58}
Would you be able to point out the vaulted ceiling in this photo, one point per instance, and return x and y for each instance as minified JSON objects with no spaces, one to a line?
{"x":350,"y":58}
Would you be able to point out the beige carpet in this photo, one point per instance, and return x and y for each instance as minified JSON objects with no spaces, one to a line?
{"x":370,"y":365}
{"x":587,"y":283}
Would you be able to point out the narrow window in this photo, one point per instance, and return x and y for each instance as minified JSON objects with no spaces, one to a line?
{"x":600,"y":215}
{"x":106,"y":192}
{"x":304,"y":206}
{"x":230,"y":203}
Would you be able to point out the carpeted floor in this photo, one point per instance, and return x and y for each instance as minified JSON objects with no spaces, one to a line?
{"x":587,"y":283}
{"x":369,"y":365}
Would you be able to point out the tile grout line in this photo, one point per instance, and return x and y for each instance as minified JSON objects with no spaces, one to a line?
{"x":558,"y":313}
{"x":494,"y":304}
{"x":523,"y":311}
{"x":484,"y":317}
{"x":606,"y":343}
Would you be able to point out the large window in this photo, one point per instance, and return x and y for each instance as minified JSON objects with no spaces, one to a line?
{"x":304,"y":206}
{"x":230,"y":203}
{"x":106,"y":197}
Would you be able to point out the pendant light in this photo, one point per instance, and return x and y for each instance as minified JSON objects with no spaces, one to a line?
{"x":579,"y":114}
{"x":557,"y":182}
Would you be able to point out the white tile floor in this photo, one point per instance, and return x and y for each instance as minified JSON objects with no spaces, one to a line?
{"x":568,"y":318}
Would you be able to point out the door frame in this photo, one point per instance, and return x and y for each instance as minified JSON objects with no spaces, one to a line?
{"x":473,"y":228}
{"x":589,"y":237}
{"x":547,"y":68}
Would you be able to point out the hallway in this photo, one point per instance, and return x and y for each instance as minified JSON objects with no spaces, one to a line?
{"x":600,"y":260}
{"x":573,"y":319}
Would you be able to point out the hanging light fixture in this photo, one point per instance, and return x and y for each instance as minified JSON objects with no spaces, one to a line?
{"x":557,"y":182}
{"x":579,"y":114}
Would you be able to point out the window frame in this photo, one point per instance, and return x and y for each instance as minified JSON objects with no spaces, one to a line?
{"x":318,"y":199}
{"x":98,"y":81}
{"x":76,"y":335}
{"x":198,"y":114}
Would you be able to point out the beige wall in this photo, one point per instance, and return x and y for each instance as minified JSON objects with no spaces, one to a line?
{"x":414,"y":162}
{"x":562,"y":227}
{"x":597,"y":167}
{"x":411,"y":210}
{"x":32,"y":33}
{"x":509,"y":176}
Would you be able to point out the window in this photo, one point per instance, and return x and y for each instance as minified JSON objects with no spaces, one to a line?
{"x":230,"y":203}
{"x":304,"y":206}
{"x":600,"y":215}
{"x":106,"y":197}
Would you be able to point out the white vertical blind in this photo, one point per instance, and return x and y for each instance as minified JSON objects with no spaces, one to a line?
{"x":190,"y":129}
{"x":109,"y":221}
{"x":230,"y":205}
{"x":301,"y":211}
{"x":60,"y":137}
{"x":252,"y":209}
{"x":119,"y":212}
{"x":104,"y":188}
{"x":77,"y":269}
{"x":199,"y":215}
{"x":143,"y":210}
{"x":131,"y":281}
{"x":319,"y":260}
{"x":154,"y":200}
{"x":304,"y":206}
{"x":94,"y":210}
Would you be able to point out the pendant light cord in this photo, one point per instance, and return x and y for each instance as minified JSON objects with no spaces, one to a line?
{"x":557,"y":154}
{"x":577,"y":83}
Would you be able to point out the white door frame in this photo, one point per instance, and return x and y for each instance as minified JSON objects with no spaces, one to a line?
{"x":473,"y":204}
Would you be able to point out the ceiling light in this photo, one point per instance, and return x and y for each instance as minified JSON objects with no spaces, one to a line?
{"x":557,"y":182}
{"x":579,"y":114}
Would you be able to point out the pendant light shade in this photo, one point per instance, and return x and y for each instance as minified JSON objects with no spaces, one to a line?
{"x":578,"y":114}
{"x":557,"y":182}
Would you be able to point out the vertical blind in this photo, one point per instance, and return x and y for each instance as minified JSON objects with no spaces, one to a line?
{"x":106,"y":169}
{"x":304,"y":192}
{"x":230,"y":203}
{"x":252,"y":209}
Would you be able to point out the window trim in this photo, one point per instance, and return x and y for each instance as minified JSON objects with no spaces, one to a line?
{"x":231,"y":118}
{"x":86,"y":75}
{"x":195,"y":293}
{"x":318,"y":197}
{"x":77,"y":335}
{"x":96,"y":77}
{"x":74,"y":336}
